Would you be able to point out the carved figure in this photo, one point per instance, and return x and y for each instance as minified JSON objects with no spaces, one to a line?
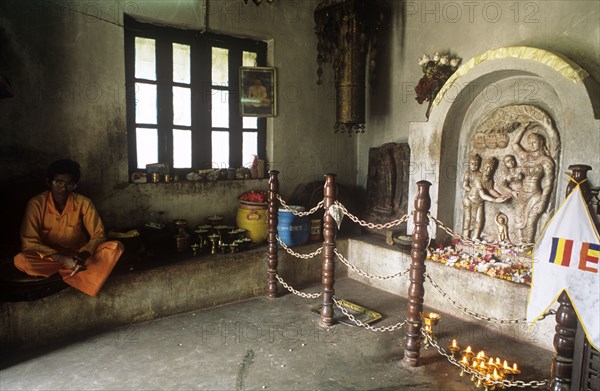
{"x":502,"y":223}
{"x":512,"y":178}
{"x":479,"y":187}
{"x":384,"y":175}
{"x":538,"y":169}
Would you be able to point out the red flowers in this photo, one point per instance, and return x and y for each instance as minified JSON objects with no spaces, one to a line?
{"x":429,"y":86}
{"x":257,"y":196}
{"x":437,"y":69}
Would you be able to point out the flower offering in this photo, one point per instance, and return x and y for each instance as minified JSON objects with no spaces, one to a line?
{"x":491,"y":260}
{"x":254,"y":196}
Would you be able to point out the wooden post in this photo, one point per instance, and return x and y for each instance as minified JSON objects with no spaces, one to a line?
{"x":416,"y":291}
{"x":564,"y":345}
{"x":329,"y":233}
{"x":579,"y":175}
{"x":272,"y":211}
{"x":561,"y":371}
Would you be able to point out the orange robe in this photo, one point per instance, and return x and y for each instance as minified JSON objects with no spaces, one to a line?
{"x":78,"y":228}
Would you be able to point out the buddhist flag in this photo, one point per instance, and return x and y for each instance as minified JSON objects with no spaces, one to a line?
{"x":566,"y":258}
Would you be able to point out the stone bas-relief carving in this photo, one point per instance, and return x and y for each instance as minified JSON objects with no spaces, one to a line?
{"x":516,"y":197}
{"x":387,"y":183}
{"x":538,"y":170}
{"x":479,"y":187}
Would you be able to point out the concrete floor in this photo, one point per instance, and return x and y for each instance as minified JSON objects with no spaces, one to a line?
{"x":262,"y":344}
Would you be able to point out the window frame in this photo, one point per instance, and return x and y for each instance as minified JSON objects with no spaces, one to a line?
{"x":201,"y":44}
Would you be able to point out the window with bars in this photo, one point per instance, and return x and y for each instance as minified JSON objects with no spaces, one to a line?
{"x":182,"y":91}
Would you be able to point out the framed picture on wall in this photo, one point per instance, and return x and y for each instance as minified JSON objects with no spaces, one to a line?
{"x":258,"y":86}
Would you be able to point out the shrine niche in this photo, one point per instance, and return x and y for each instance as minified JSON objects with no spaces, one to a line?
{"x":510,"y":179}
{"x":387,"y":184}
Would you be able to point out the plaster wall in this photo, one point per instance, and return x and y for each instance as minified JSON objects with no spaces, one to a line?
{"x":467,"y":29}
{"x":67,"y":71}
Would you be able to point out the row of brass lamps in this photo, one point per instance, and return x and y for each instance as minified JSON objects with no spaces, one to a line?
{"x":485,"y":371}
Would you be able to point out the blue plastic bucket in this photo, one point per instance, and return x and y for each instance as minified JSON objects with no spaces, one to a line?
{"x":293,"y":230}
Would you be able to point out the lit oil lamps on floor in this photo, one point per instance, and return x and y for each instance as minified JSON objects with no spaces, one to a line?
{"x":430,"y":319}
{"x":454,"y":347}
{"x":486,"y":372}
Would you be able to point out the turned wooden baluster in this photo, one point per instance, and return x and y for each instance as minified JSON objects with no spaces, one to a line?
{"x":564,"y":345}
{"x":579,"y":175}
{"x":416,"y":291}
{"x":329,"y":232}
{"x":272,"y":211}
{"x":566,"y":319}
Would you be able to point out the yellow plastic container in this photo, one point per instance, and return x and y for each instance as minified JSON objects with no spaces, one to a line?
{"x":254,"y":220}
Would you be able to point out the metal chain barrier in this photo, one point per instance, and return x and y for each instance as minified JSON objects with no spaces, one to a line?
{"x":301,"y":294}
{"x":295,"y":212}
{"x":465,"y":369}
{"x":363,"y":223}
{"x":478,"y":316}
{"x":520,"y":247}
{"x":298,"y":255}
{"x":366,"y":326}
{"x":363,"y":273}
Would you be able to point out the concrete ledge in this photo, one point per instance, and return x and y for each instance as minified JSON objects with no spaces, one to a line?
{"x":477,"y":292}
{"x":205,"y":282}
{"x":188,"y":285}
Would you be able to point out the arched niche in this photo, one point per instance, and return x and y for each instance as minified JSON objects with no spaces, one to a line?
{"x":515,"y":76}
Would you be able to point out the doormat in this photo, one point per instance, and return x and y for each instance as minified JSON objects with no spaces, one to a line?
{"x":359,"y":312}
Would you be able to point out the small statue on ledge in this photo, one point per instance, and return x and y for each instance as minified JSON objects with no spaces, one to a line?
{"x":502,"y":223}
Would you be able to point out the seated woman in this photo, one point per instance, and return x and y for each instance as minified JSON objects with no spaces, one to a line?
{"x":62,"y":233}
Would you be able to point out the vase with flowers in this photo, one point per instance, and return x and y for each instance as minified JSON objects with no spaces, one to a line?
{"x":437,"y":69}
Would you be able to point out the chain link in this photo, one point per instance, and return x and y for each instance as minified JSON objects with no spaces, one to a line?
{"x":301,"y":294}
{"x":465,"y":369}
{"x":363,"y":273}
{"x":469,"y":312}
{"x":298,"y":255}
{"x":478,"y":316}
{"x":520,"y":247}
{"x":363,"y":223}
{"x":548,"y":313}
{"x":366,"y":326}
{"x":295,"y":212}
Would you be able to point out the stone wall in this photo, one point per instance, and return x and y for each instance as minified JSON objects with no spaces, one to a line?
{"x":467,"y":29}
